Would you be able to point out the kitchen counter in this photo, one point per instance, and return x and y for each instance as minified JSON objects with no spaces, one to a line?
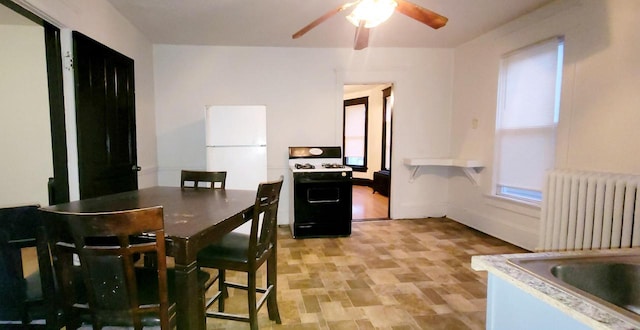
{"x":577,"y":308}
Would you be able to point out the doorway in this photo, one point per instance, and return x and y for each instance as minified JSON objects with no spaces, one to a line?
{"x":367,"y":144}
{"x":33,"y":116}
{"x":31,"y":92}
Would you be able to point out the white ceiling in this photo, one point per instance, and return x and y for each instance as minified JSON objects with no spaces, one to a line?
{"x":272,"y":22}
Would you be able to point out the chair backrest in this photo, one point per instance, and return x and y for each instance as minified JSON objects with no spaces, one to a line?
{"x":215,"y":179}
{"x":265,"y":219}
{"x":107,"y":244}
{"x":26,"y":298}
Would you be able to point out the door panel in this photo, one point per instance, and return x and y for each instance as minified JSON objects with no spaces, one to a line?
{"x":105,"y":118}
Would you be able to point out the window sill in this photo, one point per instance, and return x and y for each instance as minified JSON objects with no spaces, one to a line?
{"x":357,"y":168}
{"x":518,"y":206}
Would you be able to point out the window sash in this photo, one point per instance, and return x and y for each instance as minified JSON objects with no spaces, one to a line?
{"x":354,"y":130}
{"x":531,"y":149}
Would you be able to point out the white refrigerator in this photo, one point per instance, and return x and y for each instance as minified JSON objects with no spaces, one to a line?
{"x":236,"y":142}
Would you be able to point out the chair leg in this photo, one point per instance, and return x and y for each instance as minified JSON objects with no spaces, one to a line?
{"x":225,"y":293}
{"x":272,"y":302}
{"x":222,"y":287}
{"x":252,"y":301}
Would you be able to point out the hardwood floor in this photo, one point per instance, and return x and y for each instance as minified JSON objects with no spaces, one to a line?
{"x":399,"y":274}
{"x":367,"y":205}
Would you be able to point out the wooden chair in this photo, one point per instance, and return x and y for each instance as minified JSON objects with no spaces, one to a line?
{"x":27,"y":301}
{"x":246,"y":253}
{"x":117,"y":292}
{"x":214,"y":179}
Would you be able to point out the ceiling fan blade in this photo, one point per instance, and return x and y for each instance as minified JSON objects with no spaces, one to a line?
{"x":423,"y":15}
{"x":321,"y":19}
{"x":362,"y":37}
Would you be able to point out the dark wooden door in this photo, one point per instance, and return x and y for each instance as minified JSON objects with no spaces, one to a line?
{"x":105,"y":119}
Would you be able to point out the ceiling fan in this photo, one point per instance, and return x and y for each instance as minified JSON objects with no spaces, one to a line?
{"x":370,"y":13}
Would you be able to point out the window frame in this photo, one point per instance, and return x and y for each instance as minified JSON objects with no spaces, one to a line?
{"x":351,"y":102}
{"x":525,"y":194}
{"x":386,"y":98}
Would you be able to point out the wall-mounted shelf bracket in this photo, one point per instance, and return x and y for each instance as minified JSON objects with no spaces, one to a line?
{"x":469,"y":167}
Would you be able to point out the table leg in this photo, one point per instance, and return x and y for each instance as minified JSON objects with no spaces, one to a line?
{"x":189,"y":297}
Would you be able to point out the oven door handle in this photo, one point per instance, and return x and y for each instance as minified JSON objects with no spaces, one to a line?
{"x":324,"y":201}
{"x":307,"y":181}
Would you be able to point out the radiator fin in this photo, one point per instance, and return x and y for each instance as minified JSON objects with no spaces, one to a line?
{"x":589,"y":210}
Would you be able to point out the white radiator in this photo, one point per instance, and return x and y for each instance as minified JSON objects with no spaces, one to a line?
{"x":589,"y":210}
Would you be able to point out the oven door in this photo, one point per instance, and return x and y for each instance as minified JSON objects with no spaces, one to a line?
{"x":322,"y":206}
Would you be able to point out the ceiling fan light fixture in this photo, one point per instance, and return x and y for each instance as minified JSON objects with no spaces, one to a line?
{"x":372,"y":12}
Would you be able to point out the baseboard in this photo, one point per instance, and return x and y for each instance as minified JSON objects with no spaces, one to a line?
{"x":505,"y":229}
{"x":362,"y":182}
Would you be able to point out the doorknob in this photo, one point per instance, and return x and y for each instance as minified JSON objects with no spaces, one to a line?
{"x":136,"y":168}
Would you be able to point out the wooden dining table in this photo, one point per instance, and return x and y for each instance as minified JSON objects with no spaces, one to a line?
{"x":193,"y":218}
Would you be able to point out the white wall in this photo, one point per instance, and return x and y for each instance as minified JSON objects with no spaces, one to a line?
{"x":302,"y":89}
{"x":100,"y":21}
{"x":598,"y":128}
{"x":27,"y":160}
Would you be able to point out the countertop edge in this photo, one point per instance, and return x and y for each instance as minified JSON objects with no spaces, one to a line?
{"x":589,"y":313}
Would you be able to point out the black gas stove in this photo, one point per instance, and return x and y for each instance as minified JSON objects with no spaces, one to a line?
{"x":321,"y":192}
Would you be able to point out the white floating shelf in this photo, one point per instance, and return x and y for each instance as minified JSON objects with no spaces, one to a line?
{"x":468,"y":166}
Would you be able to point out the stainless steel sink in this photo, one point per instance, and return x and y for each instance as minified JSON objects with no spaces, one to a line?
{"x":612,"y":281}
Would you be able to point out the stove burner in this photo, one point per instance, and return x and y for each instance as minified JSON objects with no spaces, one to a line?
{"x":306,"y":166}
{"x":334,"y":165}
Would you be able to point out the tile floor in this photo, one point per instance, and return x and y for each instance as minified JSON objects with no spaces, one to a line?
{"x":399,"y":274}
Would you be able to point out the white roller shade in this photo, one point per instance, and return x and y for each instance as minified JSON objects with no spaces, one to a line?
{"x":528,"y":114}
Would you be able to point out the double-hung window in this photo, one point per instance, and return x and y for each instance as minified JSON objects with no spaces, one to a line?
{"x":387,"y":106}
{"x":528,"y":109}
{"x":355,"y":133}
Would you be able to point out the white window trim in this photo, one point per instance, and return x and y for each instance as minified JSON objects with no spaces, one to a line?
{"x":495,"y":196}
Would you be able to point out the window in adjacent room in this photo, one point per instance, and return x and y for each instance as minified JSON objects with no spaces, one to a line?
{"x":387,"y":106}
{"x":528,"y":109}
{"x":355,"y":133}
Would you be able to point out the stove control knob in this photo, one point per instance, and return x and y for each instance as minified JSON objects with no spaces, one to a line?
{"x":344,"y":173}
